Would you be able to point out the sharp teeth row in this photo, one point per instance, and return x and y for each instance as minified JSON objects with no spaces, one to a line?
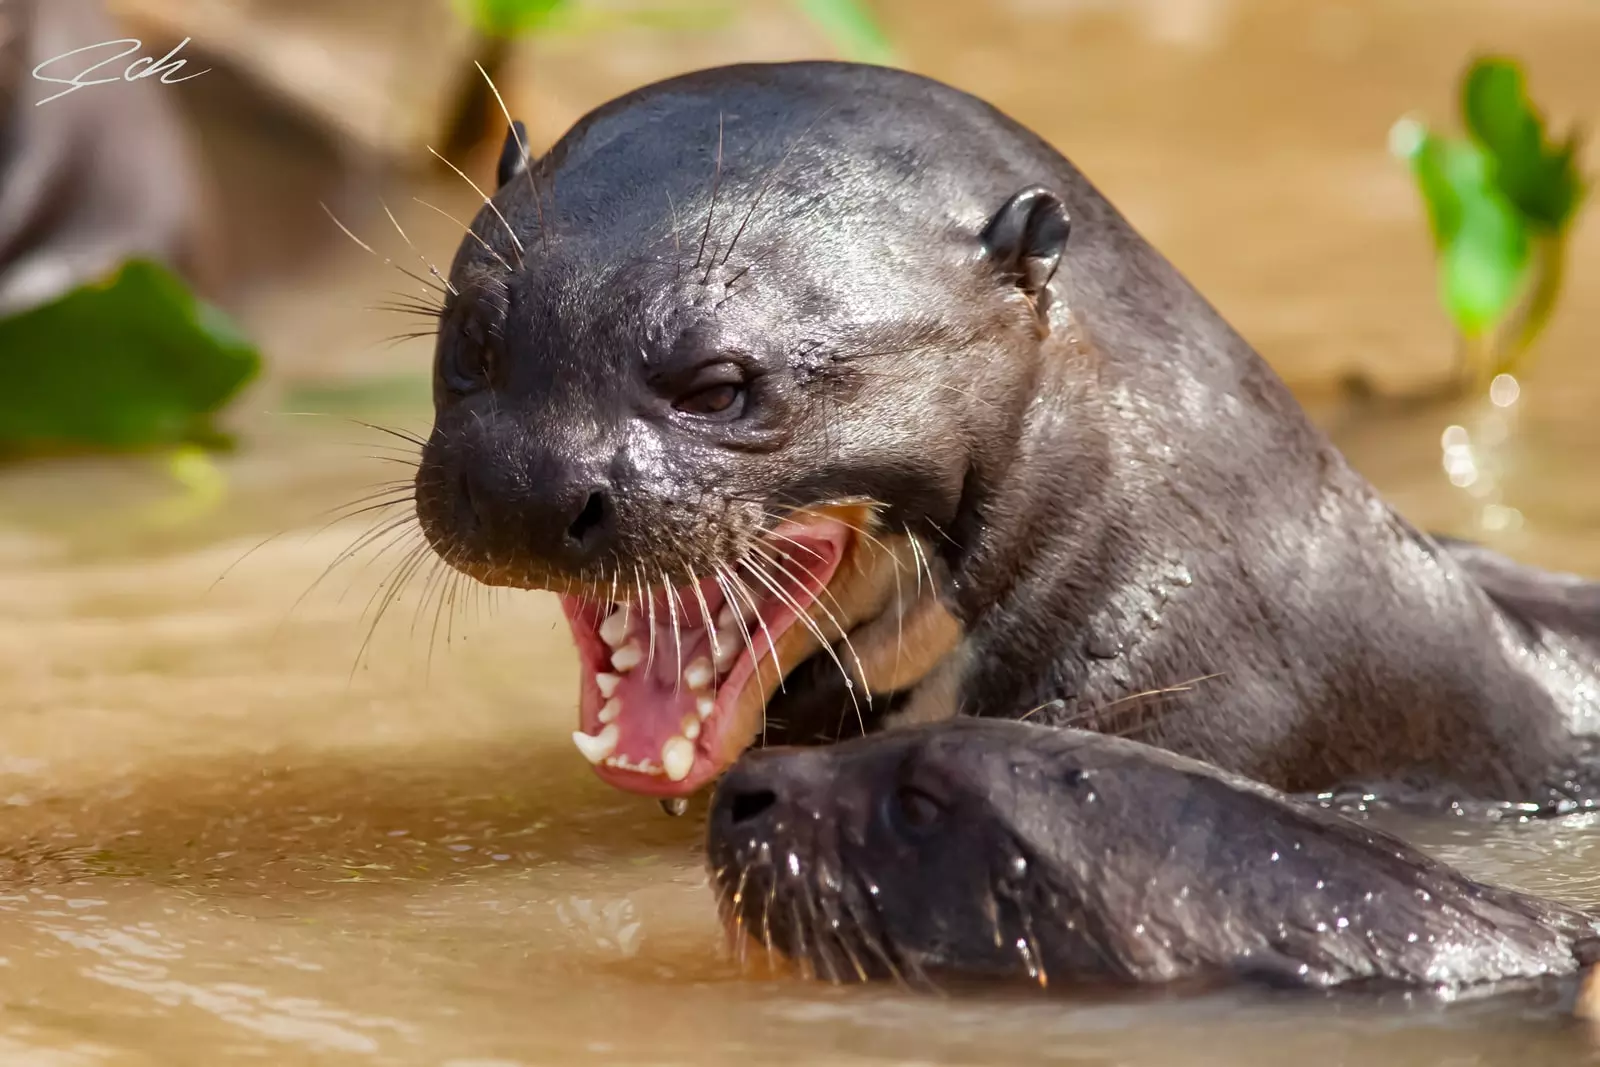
{"x":610,"y":710}
{"x":623,"y":763}
{"x":627,"y":653}
{"x":677,"y":754}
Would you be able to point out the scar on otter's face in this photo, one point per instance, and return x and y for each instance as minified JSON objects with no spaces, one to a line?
{"x":713,"y":466}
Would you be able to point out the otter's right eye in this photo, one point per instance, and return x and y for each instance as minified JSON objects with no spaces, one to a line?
{"x":917,"y":809}
{"x":465,"y":367}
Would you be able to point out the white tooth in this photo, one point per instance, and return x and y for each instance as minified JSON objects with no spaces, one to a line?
{"x":610,"y":711}
{"x":691,"y":727}
{"x":704,"y":707}
{"x":725,"y":616}
{"x":596,"y":747}
{"x":607,"y":683}
{"x":627,"y":657}
{"x":698,"y":674}
{"x":677,"y":758}
{"x":727,"y":650}
{"x":614,"y":630}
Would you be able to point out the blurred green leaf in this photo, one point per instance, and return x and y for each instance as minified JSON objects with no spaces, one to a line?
{"x":1540,"y":178}
{"x":852,"y":28}
{"x":131,"y":361}
{"x":506,"y":19}
{"x":1499,"y":205}
{"x":1481,"y":240}
{"x":511,"y":18}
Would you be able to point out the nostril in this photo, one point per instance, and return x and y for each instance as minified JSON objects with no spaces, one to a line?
{"x":747,"y":806}
{"x":589,"y":520}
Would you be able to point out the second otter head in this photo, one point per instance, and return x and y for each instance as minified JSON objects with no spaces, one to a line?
{"x":995,"y":849}
{"x":699,"y":378}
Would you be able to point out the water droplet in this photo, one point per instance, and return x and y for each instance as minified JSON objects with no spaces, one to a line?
{"x":1103,"y":646}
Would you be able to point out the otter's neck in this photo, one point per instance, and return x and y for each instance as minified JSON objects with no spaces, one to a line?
{"x":1178,"y":524}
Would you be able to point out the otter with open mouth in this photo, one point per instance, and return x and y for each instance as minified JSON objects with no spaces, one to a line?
{"x":831,"y":398}
{"x":1000,"y":850}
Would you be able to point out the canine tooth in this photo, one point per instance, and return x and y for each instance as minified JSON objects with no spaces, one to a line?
{"x":727,"y":650}
{"x":614,"y":630}
{"x":627,"y":657}
{"x":725,"y":618}
{"x":704,"y":706}
{"x":691,"y":727}
{"x":607,"y":683}
{"x":677,"y":758}
{"x":610,"y":711}
{"x":596,"y":747}
{"x":698,"y":674}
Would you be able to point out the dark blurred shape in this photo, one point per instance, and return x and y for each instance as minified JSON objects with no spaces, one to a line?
{"x":89,"y":180}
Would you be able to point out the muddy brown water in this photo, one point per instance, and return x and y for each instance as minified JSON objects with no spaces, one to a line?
{"x":230,"y":833}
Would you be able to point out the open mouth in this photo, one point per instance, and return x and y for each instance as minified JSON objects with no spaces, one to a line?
{"x":674,"y":691}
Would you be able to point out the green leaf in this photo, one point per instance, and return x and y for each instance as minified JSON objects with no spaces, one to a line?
{"x":852,"y":29}
{"x":131,"y":361}
{"x":511,"y":18}
{"x":1481,"y":238}
{"x":1540,"y":178}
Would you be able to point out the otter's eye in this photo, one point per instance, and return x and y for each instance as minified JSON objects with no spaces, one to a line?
{"x":918,"y":809}
{"x":713,"y":401}
{"x":716,"y":392}
{"x":465,"y":367}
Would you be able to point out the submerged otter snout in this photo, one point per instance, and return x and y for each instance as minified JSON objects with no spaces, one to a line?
{"x":770,"y":791}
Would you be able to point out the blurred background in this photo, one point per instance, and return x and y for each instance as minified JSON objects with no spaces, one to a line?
{"x":241,"y":818}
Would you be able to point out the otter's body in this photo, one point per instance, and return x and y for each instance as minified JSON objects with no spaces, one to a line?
{"x":1001,"y":850}
{"x":748,"y":293}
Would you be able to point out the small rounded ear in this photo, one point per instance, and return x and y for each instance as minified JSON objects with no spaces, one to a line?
{"x":1025,"y":239}
{"x":513,"y":154}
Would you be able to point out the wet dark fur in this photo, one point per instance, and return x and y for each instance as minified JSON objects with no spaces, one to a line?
{"x":994,"y":849}
{"x":1121,"y":494}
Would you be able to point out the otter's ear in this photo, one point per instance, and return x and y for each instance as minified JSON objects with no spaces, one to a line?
{"x":513,"y":154}
{"x":1026,"y":237}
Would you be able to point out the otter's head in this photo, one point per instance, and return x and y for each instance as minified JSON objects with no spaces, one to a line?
{"x":919,"y":852}
{"x":998,"y":849}
{"x":698,"y":375}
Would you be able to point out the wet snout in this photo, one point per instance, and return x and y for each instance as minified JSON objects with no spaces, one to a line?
{"x":524,"y":501}
{"x":767,"y":796}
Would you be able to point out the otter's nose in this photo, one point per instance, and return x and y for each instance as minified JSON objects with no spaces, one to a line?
{"x":767,"y":787}
{"x":566,"y":522}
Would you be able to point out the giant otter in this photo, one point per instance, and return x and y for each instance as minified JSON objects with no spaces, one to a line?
{"x":829,"y":397}
{"x":989,"y":849}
